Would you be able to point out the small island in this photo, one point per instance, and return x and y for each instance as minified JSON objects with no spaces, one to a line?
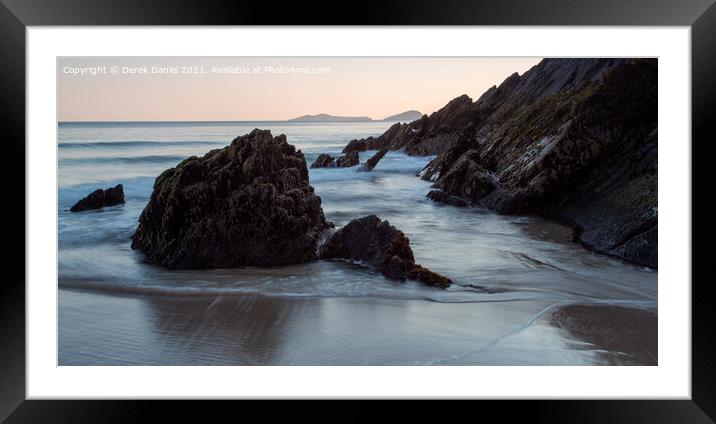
{"x":407,"y":116}
{"x":322,"y":118}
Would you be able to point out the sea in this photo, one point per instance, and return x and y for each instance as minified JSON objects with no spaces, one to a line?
{"x":509,"y":272}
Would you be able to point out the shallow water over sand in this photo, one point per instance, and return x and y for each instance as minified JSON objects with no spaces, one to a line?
{"x":509,"y":272}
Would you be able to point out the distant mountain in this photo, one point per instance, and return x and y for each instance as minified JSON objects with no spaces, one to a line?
{"x":408,"y":116}
{"x":323,"y":117}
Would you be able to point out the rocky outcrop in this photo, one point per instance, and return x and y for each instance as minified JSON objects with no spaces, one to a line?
{"x":356,"y":146}
{"x":373,"y":161}
{"x":436,"y":133}
{"x":324,"y":160}
{"x":249,"y":203}
{"x":428,"y":135}
{"x":100,"y":198}
{"x":327,"y":161}
{"x":573,"y":139}
{"x":381,"y":246}
{"x":370,"y":143}
{"x":384,"y":141}
{"x":443,"y":197}
{"x":348,"y":160}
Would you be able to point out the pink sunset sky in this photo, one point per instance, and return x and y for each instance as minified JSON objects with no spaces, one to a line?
{"x":266,"y":88}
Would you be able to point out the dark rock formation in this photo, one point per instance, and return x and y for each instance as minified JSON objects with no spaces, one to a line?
{"x":348,"y":160}
{"x":373,"y":161}
{"x":436,"y":133}
{"x":324,"y":161}
{"x":249,"y":203}
{"x":574,"y":139}
{"x":370,"y":143}
{"x":381,"y":246}
{"x":327,"y":161}
{"x":100,"y":198}
{"x":428,"y":135}
{"x":443,"y":197}
{"x":355,"y":146}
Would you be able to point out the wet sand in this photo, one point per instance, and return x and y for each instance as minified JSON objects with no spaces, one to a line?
{"x":621,"y":335}
{"x":250,"y":329}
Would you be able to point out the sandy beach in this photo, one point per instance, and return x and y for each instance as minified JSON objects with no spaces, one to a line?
{"x":621,"y":335}
{"x":278,"y":330}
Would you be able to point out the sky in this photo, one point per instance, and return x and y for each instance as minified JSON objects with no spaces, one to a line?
{"x":267,"y":88}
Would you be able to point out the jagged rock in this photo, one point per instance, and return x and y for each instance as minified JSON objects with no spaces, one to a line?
{"x":370,"y":143}
{"x":381,"y":246}
{"x":324,"y":161}
{"x":373,"y":161}
{"x":327,"y":161}
{"x":428,"y":135}
{"x":427,"y":277}
{"x":468,"y":178}
{"x":574,"y":139}
{"x":443,"y":197}
{"x":348,"y":160}
{"x":438,"y":132}
{"x":622,"y":222}
{"x":249,"y":203}
{"x":100,"y":198}
{"x":355,"y":146}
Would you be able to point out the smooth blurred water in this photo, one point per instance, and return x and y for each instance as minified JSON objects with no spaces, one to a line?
{"x":508,"y":271}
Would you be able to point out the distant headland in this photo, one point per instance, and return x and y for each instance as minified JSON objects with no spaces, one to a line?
{"x":407,"y":116}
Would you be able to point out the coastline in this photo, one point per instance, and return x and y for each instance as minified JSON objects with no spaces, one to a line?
{"x":510,"y":273}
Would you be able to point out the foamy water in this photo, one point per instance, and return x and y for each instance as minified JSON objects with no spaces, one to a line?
{"x":508,"y":271}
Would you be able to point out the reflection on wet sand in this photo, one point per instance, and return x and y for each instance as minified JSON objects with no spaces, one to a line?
{"x":251,"y":329}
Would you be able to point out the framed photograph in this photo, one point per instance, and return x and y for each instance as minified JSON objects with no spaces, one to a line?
{"x":460,"y":203}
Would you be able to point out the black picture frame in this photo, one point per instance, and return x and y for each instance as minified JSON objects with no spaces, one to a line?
{"x":16,"y":15}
